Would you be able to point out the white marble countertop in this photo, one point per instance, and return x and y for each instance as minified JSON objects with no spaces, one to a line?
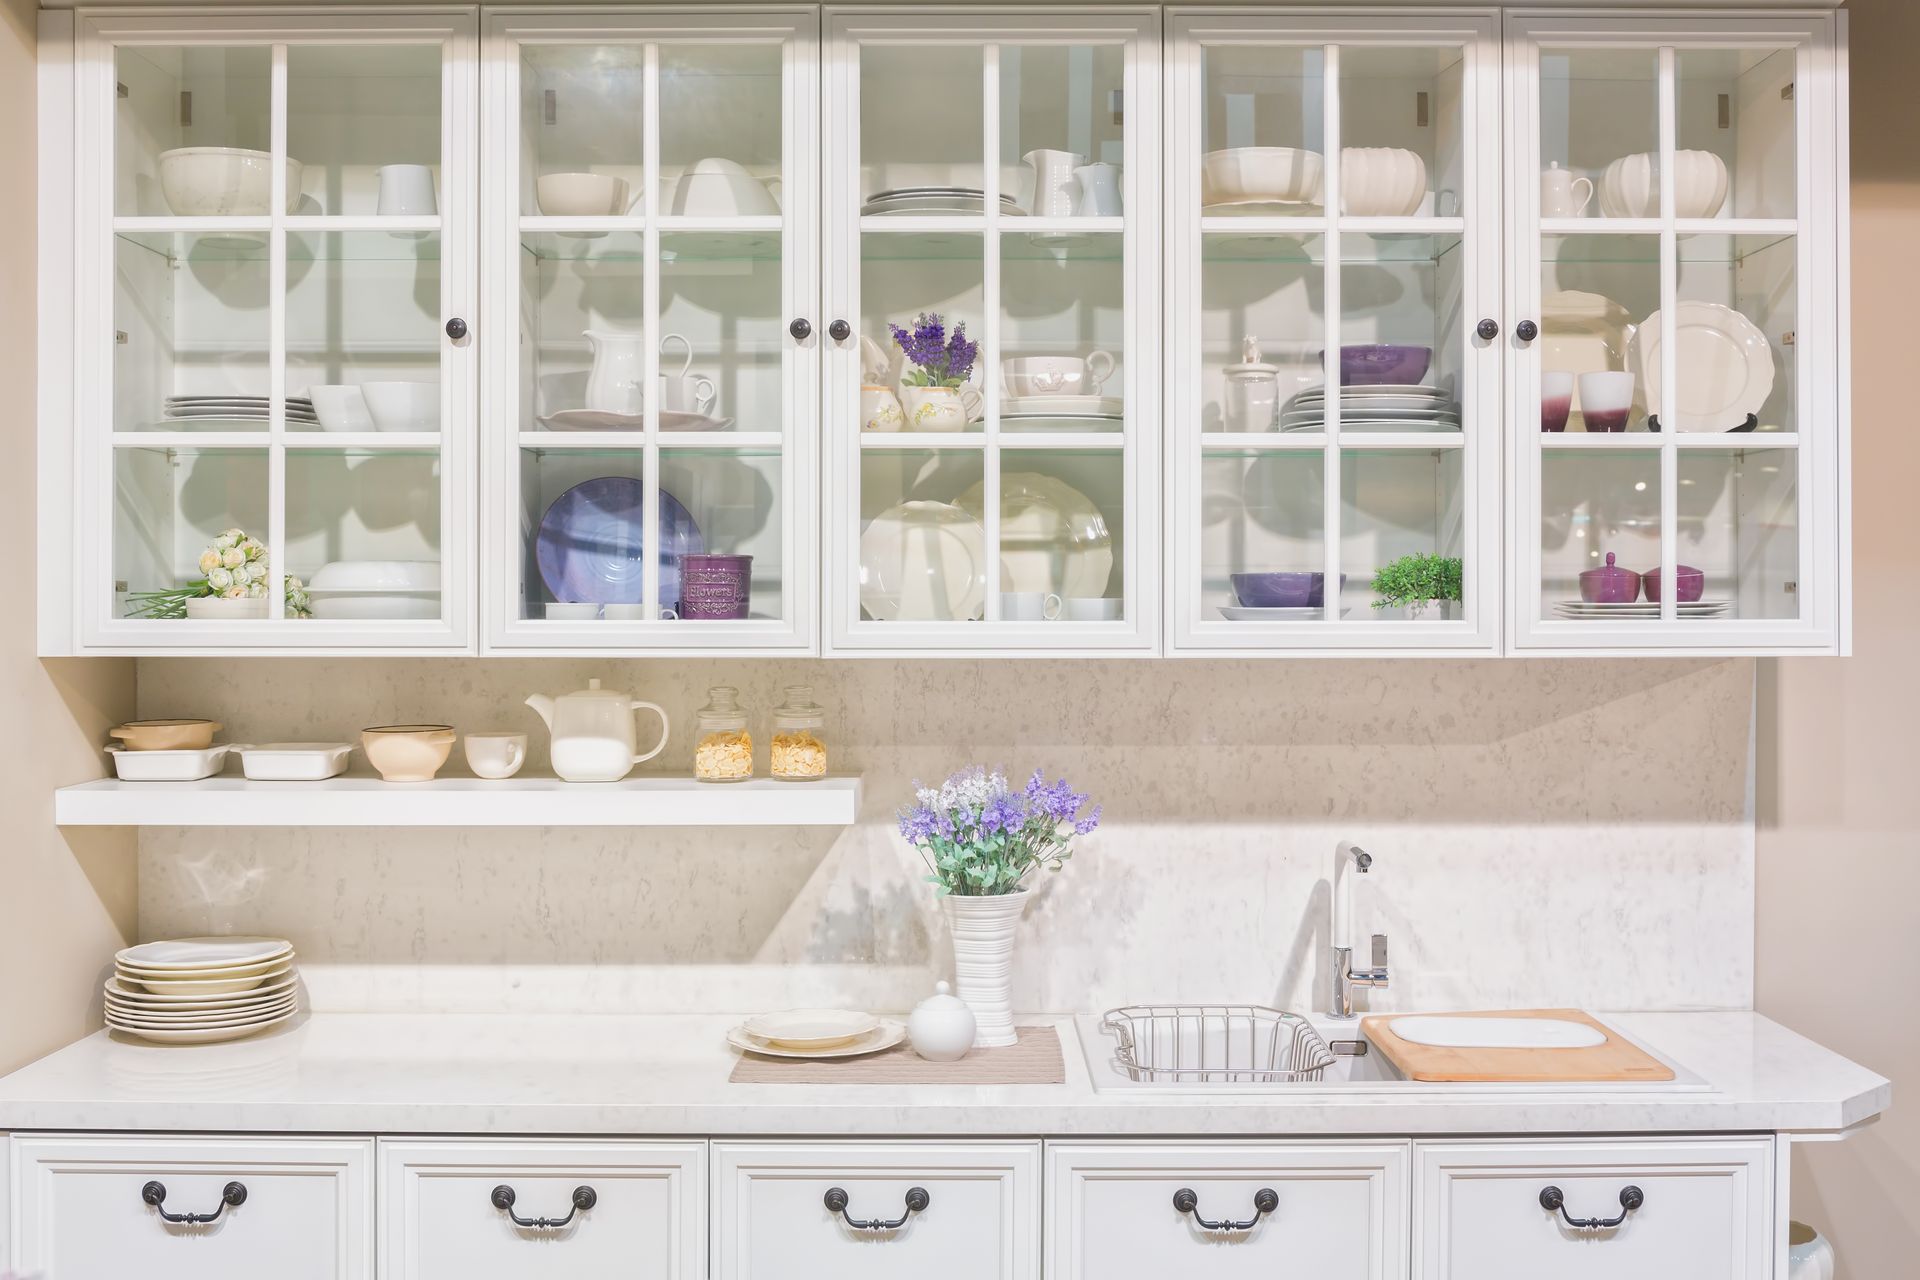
{"x":667,"y":1075}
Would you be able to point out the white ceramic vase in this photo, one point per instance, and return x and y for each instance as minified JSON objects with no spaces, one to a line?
{"x":983,"y":931}
{"x":1809,"y":1256}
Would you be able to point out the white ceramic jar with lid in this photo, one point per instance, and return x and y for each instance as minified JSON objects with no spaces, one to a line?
{"x":941,"y":1027}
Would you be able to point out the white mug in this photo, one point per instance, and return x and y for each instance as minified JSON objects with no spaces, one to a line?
{"x":636,"y":613}
{"x":1099,"y":191}
{"x":406,"y":191}
{"x":496,"y":755}
{"x":1029,"y":606}
{"x":1091,"y":609}
{"x":1561,"y":194}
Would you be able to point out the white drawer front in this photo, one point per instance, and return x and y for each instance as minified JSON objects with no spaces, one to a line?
{"x":1340,"y":1210}
{"x":1706,"y":1213}
{"x":647,"y":1221}
{"x":78,"y":1212}
{"x":981,"y":1222}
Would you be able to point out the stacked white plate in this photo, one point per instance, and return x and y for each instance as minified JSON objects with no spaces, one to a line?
{"x":816,"y":1033}
{"x":202,"y":990}
{"x":1383,"y":407}
{"x":1641,"y":609}
{"x":236,"y":409}
{"x":934,"y":200}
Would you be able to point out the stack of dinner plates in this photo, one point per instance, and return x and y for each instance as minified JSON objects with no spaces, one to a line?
{"x":237,"y":409}
{"x":934,"y":200}
{"x":1380,"y":407}
{"x":1643,"y":610}
{"x":816,"y":1033}
{"x":201,"y":990}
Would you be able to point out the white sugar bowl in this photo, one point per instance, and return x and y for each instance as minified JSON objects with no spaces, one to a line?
{"x":941,"y":1026}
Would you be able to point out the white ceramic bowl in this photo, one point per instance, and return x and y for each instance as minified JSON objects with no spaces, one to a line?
{"x":1287,"y":175}
{"x":167,"y":766}
{"x":1381,"y":182}
{"x":719,"y":188}
{"x":204,"y":182}
{"x":340,"y":408}
{"x":363,"y":576}
{"x":402,"y":406}
{"x":580,"y":195}
{"x":1630,"y":187}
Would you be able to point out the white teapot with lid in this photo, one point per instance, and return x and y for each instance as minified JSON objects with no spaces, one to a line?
{"x":595,"y":734}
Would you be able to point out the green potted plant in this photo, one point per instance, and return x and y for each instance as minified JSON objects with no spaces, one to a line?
{"x":1421,"y":586}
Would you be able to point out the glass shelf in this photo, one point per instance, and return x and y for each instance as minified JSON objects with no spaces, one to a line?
{"x":1310,"y":249}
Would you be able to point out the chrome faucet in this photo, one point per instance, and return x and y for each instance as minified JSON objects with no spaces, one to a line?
{"x":1342,"y":976}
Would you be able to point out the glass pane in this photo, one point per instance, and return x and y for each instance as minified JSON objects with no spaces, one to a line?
{"x":1402,"y":145}
{"x":1399,"y":511}
{"x":344,"y":507}
{"x":1263,"y":536}
{"x":363,"y":311}
{"x":1595,"y":504}
{"x":1739,"y":533}
{"x":922,"y":129}
{"x":1061,"y":136}
{"x":1262,"y":331}
{"x":732,"y":562}
{"x":582,"y":305}
{"x":582,"y":124}
{"x":176,"y":99}
{"x":169,"y":506}
{"x":721,"y":129}
{"x":1264,"y":136}
{"x":190,"y":314}
{"x":1599,"y":133}
{"x":905,"y":277}
{"x":1597,"y":292}
{"x":1062,"y":332}
{"x":1735,"y":133}
{"x":583,"y":511}
{"x":1403,"y":340}
{"x":720,"y":292}
{"x":363,"y":123}
{"x":923,"y":556}
{"x":1062,"y":529}
{"x":1734,"y":330}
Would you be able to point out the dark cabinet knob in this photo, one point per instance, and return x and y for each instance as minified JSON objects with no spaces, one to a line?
{"x":456,"y":328}
{"x":1488,"y":330}
{"x":800,"y":329}
{"x":1526,"y":331}
{"x":839,"y":331}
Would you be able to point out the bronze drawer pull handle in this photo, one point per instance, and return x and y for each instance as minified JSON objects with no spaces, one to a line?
{"x":917,"y":1200}
{"x":1265,"y":1201}
{"x":1631,"y":1198}
{"x":503,"y":1198}
{"x":234,"y":1194}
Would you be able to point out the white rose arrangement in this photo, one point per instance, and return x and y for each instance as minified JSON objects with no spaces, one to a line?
{"x":233,"y":567}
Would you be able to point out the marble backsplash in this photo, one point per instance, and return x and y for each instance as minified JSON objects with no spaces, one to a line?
{"x":1544,"y":833}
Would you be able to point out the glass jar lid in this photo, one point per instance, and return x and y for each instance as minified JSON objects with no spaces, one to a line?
{"x":723,"y":709}
{"x":800,"y":711}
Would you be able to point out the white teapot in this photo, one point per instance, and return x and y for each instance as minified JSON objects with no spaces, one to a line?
{"x":594,"y":732}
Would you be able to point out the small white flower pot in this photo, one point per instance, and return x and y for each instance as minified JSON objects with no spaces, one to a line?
{"x":983,"y":931}
{"x":210,"y":608}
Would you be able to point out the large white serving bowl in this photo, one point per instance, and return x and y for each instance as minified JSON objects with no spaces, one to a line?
{"x":368,"y":590}
{"x":205,"y":182}
{"x":403,"y":406}
{"x":1288,"y":175}
{"x":1630,"y":187}
{"x":720,"y":188}
{"x":581,"y":195}
{"x":1381,"y":182}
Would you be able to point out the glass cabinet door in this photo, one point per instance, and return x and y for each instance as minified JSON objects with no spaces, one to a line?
{"x":652,"y":400}
{"x":991,"y":365}
{"x":1333,"y":357}
{"x":1677,"y":417}
{"x":274,"y":402}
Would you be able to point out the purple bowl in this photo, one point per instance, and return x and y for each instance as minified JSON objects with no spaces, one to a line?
{"x":1610,"y":584}
{"x":1372,"y":364}
{"x":1299,"y":590}
{"x":1692,"y":584}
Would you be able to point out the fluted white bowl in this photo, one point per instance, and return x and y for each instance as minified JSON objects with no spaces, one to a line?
{"x":1381,"y":182}
{"x":206,"y":182}
{"x":1630,"y":187}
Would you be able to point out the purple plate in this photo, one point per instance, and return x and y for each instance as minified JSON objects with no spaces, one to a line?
{"x":591,"y":545}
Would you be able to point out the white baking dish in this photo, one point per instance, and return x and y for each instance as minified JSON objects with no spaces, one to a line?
{"x":169,"y":766}
{"x":294,"y":761}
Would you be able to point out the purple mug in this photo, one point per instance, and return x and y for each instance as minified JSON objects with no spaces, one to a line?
{"x":715,"y":587}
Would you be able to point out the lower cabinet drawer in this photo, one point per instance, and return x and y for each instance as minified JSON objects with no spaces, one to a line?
{"x":964,"y":1211}
{"x":1235,"y":1211}
{"x":1642,"y":1209}
{"x":97,"y":1208}
{"x":586,"y":1210}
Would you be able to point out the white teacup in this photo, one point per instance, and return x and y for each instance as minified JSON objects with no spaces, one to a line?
{"x":1056,"y":375}
{"x":1029,"y":606}
{"x":496,"y":755}
{"x":572,"y":611}
{"x":686,"y":393}
{"x":636,"y":613}
{"x":1091,"y":609}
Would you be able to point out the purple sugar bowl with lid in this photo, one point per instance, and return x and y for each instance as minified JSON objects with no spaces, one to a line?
{"x":1373,"y":363}
{"x":1689,"y":583}
{"x":714,"y":587}
{"x":1609,"y":584}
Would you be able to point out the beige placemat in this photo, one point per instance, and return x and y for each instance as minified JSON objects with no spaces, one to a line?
{"x":1035,"y":1060}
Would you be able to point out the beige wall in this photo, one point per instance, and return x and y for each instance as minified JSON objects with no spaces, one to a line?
{"x":1838,"y":929}
{"x":66,"y":899}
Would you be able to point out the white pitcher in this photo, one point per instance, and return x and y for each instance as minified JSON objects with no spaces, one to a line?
{"x":1053,"y":182}
{"x":619,"y":371}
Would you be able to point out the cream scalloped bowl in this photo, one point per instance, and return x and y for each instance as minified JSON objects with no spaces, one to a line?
{"x":207,"y":182}
{"x":1630,"y":186}
{"x":1381,"y":182}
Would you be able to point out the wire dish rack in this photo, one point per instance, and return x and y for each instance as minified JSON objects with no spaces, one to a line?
{"x":1215,"y":1044}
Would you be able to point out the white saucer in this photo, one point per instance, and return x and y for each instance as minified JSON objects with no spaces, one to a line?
{"x":1246,"y":613}
{"x":884,"y":1036}
{"x":595,"y":420}
{"x":1061,"y":406}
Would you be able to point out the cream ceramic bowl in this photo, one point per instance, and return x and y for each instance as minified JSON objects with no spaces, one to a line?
{"x":403,"y":406}
{"x":1630,"y":187}
{"x":718,"y":188}
{"x":166,"y":735}
{"x":580,"y":195}
{"x":203,"y":182}
{"x":407,"y":752}
{"x":1381,"y":182}
{"x":1288,"y":175}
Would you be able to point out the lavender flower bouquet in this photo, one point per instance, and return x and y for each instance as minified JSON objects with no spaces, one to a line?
{"x":981,"y":838}
{"x":938,"y":359}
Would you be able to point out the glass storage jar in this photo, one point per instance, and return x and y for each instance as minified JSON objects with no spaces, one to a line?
{"x":799,"y":738}
{"x":723,"y":749}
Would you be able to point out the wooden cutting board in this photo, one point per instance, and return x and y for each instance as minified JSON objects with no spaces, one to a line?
{"x":1617,"y":1059}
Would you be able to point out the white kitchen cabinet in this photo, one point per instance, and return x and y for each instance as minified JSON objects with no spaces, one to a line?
{"x":978,"y":1214}
{"x":93,"y":1208}
{"x":1704,"y":1209}
{"x":1338,"y":1211}
{"x":600,"y":1210}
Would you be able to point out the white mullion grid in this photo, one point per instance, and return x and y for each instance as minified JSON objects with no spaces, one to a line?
{"x":989,"y":362}
{"x":1330,"y":372}
{"x":277,"y":342}
{"x":790,"y":552}
{"x":1804,"y":490}
{"x":1669,"y":352}
{"x":650,"y":327}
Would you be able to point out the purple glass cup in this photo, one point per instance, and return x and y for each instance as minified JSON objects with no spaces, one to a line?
{"x":714,"y":587}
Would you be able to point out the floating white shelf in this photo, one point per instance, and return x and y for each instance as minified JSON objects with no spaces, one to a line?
{"x":361,"y":800}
